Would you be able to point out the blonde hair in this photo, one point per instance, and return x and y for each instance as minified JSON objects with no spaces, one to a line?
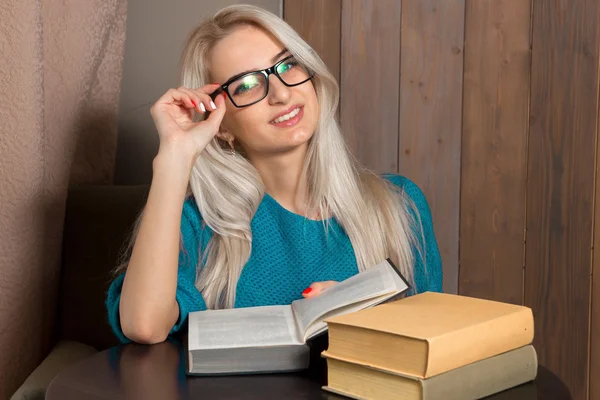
{"x":373,"y":212}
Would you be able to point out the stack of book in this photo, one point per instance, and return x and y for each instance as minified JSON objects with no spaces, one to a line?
{"x":431,"y":346}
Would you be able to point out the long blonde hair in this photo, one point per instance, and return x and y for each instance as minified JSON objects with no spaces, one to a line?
{"x":372,"y":211}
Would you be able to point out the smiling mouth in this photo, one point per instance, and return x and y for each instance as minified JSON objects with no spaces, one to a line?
{"x":287,"y":116}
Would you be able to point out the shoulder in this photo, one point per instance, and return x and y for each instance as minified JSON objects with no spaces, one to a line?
{"x":192,"y":223}
{"x":191,"y":220}
{"x":428,"y":262}
{"x":191,"y":212}
{"x":412,"y":191}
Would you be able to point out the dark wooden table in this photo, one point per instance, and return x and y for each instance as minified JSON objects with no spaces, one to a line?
{"x":158,"y":372}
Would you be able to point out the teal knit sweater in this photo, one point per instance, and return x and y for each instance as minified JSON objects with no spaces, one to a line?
{"x":289,"y":252}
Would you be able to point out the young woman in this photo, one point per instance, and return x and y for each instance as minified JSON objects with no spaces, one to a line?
{"x":255,"y":199}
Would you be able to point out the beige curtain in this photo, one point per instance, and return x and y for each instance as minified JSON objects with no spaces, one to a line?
{"x":60,"y":73}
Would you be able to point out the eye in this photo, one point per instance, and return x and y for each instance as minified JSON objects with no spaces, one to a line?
{"x":288,"y":65}
{"x":242,"y":88}
{"x":245,"y":85}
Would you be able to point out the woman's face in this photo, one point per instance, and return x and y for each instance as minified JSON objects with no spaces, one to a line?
{"x":259,"y":127}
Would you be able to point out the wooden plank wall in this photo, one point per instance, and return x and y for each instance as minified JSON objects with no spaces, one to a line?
{"x":370,"y":80}
{"x":491,"y":107}
{"x":320,"y":23}
{"x":494,"y":149}
{"x":430,"y":114}
{"x":562,"y":123}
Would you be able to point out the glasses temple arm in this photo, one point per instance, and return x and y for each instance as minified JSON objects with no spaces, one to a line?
{"x":217,"y":92}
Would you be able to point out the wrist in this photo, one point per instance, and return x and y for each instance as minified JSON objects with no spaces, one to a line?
{"x":168,"y":169}
{"x":172,"y":158}
{"x":170,"y":177}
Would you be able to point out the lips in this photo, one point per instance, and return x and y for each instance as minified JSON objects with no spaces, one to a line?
{"x":284,"y":112}
{"x":291,"y":119}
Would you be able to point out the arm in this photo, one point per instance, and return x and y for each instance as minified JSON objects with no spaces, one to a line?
{"x":188,"y":298}
{"x":428,"y":273}
{"x":428,"y":262}
{"x":148,"y":308}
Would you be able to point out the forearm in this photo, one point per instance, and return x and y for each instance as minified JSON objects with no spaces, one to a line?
{"x":148,"y":309}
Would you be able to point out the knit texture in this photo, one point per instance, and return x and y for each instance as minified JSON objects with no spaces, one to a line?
{"x":289,"y":252}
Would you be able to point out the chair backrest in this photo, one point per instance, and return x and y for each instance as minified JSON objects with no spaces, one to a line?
{"x":98,"y":221}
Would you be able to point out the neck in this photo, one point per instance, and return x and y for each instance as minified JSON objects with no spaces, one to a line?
{"x":281,"y":174}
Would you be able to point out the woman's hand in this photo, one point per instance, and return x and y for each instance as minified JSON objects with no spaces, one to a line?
{"x":173,"y":116}
{"x":317,"y":288}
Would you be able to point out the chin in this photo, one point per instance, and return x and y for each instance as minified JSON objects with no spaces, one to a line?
{"x":300,"y":136}
{"x":295,"y":141}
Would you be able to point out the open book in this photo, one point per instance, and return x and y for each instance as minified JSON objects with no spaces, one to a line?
{"x":273,"y":338}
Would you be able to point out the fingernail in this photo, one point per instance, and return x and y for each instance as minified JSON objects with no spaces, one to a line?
{"x":224,"y":96}
{"x":202,"y":107}
{"x":194,"y":103}
{"x":307,"y":291}
{"x":212,"y":104}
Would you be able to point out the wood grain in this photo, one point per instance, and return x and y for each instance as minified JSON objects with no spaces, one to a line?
{"x":595,"y":311}
{"x":494,"y":149}
{"x":370,"y":82}
{"x":595,"y":307}
{"x":319,"y":23}
{"x":564,"y":94}
{"x":431,"y":113}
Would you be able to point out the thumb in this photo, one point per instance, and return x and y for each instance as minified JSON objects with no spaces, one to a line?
{"x":216,"y":116}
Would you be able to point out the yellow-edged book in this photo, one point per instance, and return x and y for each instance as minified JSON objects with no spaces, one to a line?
{"x":473,"y":381}
{"x":430,"y":333}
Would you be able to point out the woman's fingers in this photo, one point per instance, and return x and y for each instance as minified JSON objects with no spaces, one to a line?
{"x":216,"y":116}
{"x":173,"y":116}
{"x":317,"y":288}
{"x":204,"y":94}
{"x":196,"y":99}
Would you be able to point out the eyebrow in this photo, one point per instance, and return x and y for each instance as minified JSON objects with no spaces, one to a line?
{"x":273,"y":60}
{"x":276,"y":57}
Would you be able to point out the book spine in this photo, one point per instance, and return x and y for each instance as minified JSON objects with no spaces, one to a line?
{"x":485,"y":377}
{"x":475,"y":343}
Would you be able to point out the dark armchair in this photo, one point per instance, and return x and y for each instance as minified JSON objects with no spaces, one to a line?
{"x":98,"y":221}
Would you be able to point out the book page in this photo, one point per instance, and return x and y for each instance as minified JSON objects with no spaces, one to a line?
{"x":373,"y":283}
{"x":242,"y":327}
{"x":246,"y":360}
{"x":320,"y":325}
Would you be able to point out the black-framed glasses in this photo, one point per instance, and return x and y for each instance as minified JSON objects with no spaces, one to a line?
{"x":251,"y":87}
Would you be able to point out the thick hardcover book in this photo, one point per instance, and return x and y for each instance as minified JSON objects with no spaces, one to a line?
{"x":472,"y":381}
{"x":430,"y":333}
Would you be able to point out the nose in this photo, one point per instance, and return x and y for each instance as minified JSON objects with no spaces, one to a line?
{"x":278,"y":92}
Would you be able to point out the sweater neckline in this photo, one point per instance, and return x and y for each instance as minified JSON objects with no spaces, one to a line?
{"x":276,"y":204}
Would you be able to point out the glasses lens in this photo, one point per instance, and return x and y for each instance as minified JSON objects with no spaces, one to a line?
{"x":248,"y":89}
{"x":292,"y":72}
